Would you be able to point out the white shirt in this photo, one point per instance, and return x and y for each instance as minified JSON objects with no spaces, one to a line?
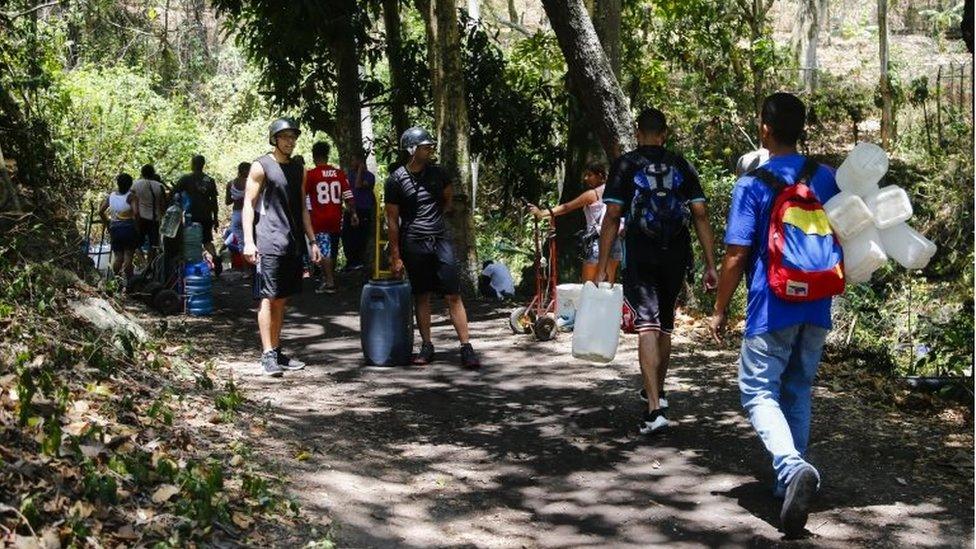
{"x":501,"y":278}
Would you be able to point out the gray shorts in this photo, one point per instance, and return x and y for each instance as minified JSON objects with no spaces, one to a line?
{"x":592,"y":254}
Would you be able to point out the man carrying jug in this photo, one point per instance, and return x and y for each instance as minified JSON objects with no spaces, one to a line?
{"x":659,"y":193}
{"x":416,"y":195}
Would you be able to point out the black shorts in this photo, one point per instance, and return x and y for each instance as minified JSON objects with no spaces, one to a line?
{"x":651,"y":290}
{"x":277,"y":276}
{"x":431,"y":266}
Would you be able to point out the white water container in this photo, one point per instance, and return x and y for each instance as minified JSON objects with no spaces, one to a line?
{"x":597,"y":329}
{"x":567,"y":300}
{"x":907,"y":246}
{"x":101,"y":256}
{"x":890,"y":206}
{"x":862,"y":169}
{"x":863,"y":254}
{"x":848,"y":214}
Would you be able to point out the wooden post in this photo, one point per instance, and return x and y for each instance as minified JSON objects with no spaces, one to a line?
{"x":938,"y":103}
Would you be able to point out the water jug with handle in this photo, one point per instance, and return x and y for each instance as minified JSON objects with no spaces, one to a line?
{"x":862,"y":169}
{"x":597,"y":329}
{"x":907,"y":246}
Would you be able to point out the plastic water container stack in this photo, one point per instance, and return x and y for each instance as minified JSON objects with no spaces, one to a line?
{"x":193,"y":243}
{"x":198,"y":289}
{"x":871,"y":221}
{"x":597,"y":329}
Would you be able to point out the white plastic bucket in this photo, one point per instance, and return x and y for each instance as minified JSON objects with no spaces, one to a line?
{"x":567,"y":300}
{"x":101,"y":256}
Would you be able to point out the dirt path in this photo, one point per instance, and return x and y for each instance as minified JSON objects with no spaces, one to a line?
{"x":541,"y":450}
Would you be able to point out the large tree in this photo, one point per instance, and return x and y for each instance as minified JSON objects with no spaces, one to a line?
{"x":595,"y":85}
{"x":451,"y":122}
{"x":398,"y":78}
{"x":309,"y":56}
{"x":811,"y":18}
{"x":887,"y":101}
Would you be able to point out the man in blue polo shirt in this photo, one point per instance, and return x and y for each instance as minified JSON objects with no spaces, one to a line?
{"x":783,"y":342}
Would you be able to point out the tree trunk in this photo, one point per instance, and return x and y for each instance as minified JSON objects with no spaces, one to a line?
{"x":394,"y":45}
{"x":582,"y":144}
{"x":592,"y":74}
{"x":349,"y":128}
{"x":806,"y":34}
{"x":451,"y":121}
{"x":887,"y":108}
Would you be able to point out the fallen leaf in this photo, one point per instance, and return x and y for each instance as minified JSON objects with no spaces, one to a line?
{"x":144,"y":515}
{"x":303,"y":455}
{"x":81,"y":509}
{"x":236,"y":460}
{"x":241,"y":520}
{"x":126,"y":532}
{"x":164,"y":492}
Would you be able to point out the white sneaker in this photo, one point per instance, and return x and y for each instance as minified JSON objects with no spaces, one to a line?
{"x":653,"y":422}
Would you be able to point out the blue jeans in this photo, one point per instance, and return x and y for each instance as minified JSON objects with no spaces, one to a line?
{"x":776,"y":372}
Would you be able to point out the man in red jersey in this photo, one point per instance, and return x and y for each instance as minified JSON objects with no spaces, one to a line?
{"x":326,"y":188}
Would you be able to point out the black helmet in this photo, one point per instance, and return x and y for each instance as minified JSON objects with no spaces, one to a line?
{"x":415,"y":137}
{"x":281,"y":125}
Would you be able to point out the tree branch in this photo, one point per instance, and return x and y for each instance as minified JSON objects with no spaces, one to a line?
{"x":512,"y":25}
{"x":12,"y":16}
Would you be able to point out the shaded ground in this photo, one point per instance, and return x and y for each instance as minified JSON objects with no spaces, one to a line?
{"x":541,"y":450}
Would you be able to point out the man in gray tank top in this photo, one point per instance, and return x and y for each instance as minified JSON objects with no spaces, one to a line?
{"x":276,"y":226}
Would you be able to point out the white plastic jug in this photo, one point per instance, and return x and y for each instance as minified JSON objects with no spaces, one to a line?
{"x":907,"y":246}
{"x":862,"y":169}
{"x":567,"y":300}
{"x":890,"y":206}
{"x":848,"y":214}
{"x":863,"y":254}
{"x":597,"y":329}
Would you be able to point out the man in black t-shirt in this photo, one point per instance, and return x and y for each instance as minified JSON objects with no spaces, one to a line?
{"x":659,"y":193}
{"x":202,"y":190}
{"x":416,"y":195}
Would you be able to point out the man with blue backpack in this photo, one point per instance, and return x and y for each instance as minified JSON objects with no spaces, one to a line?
{"x":779,"y":236}
{"x":660,"y":194}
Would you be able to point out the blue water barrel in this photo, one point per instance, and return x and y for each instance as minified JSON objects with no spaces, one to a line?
{"x":386,"y":322}
{"x":193,"y":243}
{"x":198,"y":289}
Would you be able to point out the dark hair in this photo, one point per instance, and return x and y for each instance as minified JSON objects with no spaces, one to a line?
{"x":320,"y":151}
{"x":484,"y":264}
{"x":147,"y":171}
{"x":598,"y":168}
{"x":124,"y":181}
{"x":652,"y":121}
{"x":243,"y":168}
{"x":198,"y":162}
{"x":785,"y":115}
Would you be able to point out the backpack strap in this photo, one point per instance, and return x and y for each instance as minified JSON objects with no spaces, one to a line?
{"x":806,"y":174}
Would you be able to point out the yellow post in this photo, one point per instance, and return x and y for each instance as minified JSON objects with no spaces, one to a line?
{"x":380,"y":244}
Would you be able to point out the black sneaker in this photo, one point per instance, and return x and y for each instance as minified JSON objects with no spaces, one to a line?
{"x":469,"y":359}
{"x":661,"y":400}
{"x":288,"y":363}
{"x":796,"y":504}
{"x":426,"y":354}
{"x":269,"y":363}
{"x":653,"y":422}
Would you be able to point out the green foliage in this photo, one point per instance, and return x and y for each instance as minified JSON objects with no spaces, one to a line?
{"x":111,"y":120}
